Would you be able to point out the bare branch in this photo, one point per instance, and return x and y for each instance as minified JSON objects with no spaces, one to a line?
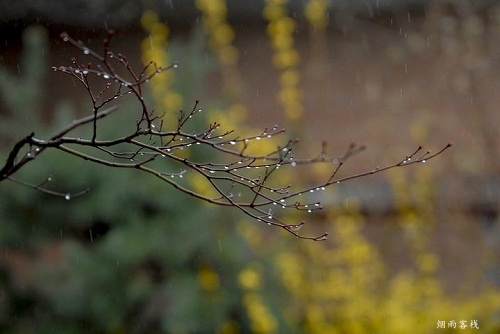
{"x":249,"y":182}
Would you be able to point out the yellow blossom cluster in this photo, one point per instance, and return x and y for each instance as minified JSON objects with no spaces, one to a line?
{"x":262,"y":319}
{"x":154,"y":48}
{"x":221,"y":37}
{"x":221,"y":34}
{"x":344,"y":287}
{"x":280,"y":30}
{"x":316,"y":13}
{"x":208,"y":279}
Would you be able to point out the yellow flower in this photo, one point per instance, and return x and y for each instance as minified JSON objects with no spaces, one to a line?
{"x":249,"y":279}
{"x":208,"y":279}
{"x":315,"y":13}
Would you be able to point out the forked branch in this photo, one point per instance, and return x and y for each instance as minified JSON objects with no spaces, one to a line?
{"x":237,"y":178}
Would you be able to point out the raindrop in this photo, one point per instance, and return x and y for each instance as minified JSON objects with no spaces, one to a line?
{"x":258,"y":138}
{"x":49,"y":179}
{"x":232,"y":142}
{"x":293,"y":164}
{"x":423,"y":161}
{"x":86,"y":51}
{"x":106,"y":76}
{"x":67,"y":197}
{"x":175,"y":65}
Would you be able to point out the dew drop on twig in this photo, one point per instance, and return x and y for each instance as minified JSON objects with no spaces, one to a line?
{"x":67,"y":197}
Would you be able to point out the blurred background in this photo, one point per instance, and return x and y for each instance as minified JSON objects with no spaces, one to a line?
{"x":408,"y":249}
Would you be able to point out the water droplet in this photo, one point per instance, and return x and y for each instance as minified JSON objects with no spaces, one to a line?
{"x":49,"y":179}
{"x":175,"y":65}
{"x":423,"y":161}
{"x":106,"y":76}
{"x":86,"y":51}
{"x":258,"y":138}
{"x":67,"y":197}
{"x":232,"y":142}
{"x":293,"y":164}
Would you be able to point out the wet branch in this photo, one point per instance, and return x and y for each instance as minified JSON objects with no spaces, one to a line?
{"x":239,"y":179}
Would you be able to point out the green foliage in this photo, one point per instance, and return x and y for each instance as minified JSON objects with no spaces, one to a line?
{"x":22,"y":92}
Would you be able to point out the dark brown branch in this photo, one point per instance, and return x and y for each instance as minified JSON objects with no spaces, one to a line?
{"x":248,"y":182}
